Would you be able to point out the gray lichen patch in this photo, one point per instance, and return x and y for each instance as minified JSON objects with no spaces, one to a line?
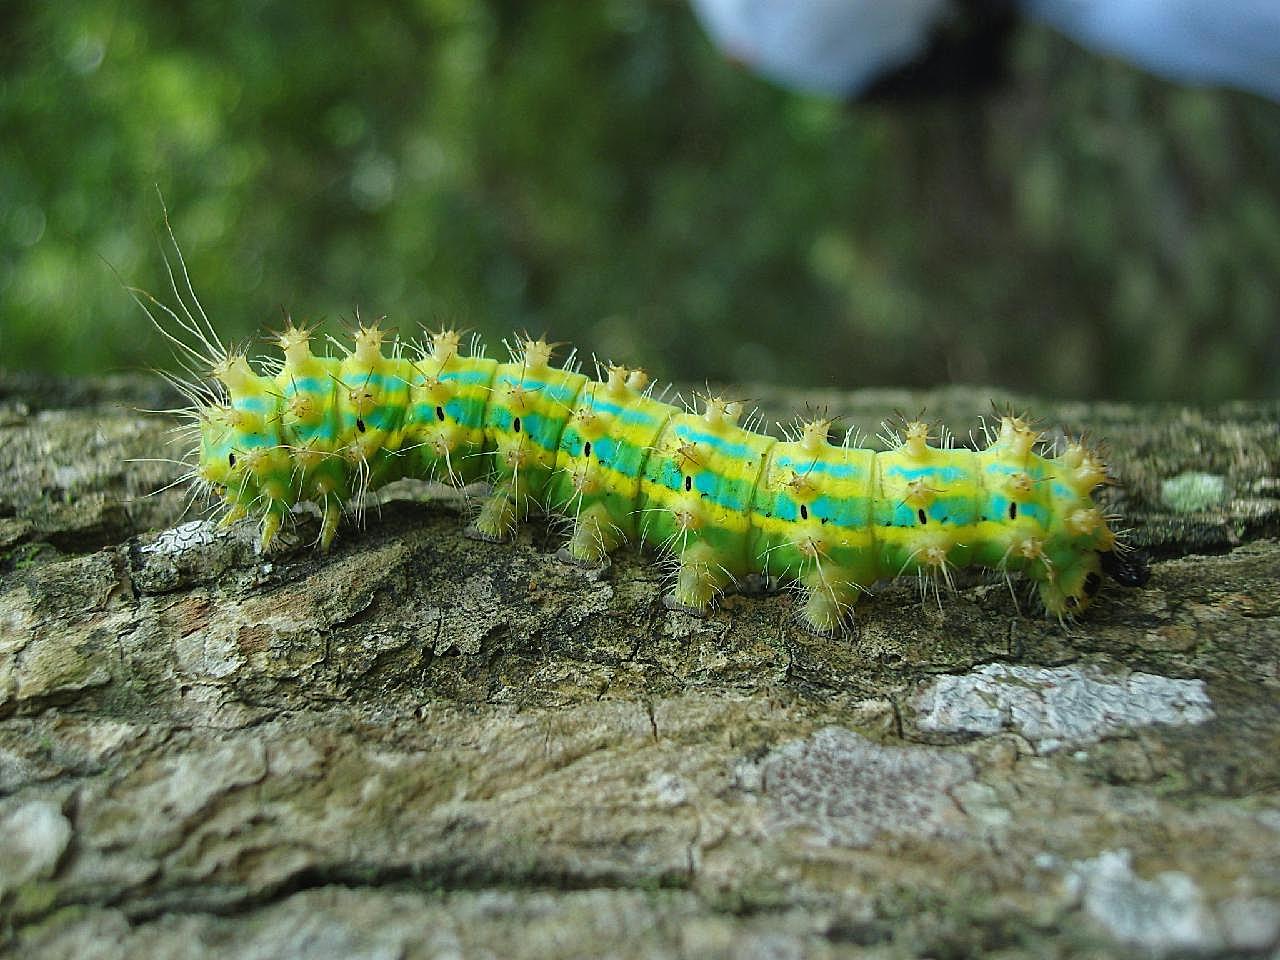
{"x":1055,"y":707}
{"x":195,"y":552}
{"x":152,"y":809}
{"x":843,"y":789}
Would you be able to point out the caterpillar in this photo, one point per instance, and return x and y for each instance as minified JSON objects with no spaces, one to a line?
{"x":619,"y":465}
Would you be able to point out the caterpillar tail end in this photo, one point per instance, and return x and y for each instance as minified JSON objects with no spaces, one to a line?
{"x":1071,"y":588}
{"x":1129,"y":569}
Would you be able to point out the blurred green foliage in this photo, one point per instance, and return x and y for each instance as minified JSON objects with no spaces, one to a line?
{"x":597,"y":171}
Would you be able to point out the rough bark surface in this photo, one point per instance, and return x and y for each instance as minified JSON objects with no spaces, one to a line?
{"x":426,"y":746}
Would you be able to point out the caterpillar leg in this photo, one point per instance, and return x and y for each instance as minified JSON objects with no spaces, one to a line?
{"x":236,"y":511}
{"x":272,"y":520}
{"x":699,"y":580}
{"x":329,"y":522}
{"x":594,"y":537}
{"x":498,"y":516}
{"x":829,"y":596}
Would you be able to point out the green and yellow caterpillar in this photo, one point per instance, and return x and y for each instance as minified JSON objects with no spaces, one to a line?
{"x":719,"y":501}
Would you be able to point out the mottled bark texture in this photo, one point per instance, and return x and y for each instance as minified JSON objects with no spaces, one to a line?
{"x":422,"y":745}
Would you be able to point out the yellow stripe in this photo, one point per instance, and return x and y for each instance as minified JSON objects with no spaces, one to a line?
{"x":730,"y":520}
{"x":842,"y":537}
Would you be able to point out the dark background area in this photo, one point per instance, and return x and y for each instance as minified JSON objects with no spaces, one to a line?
{"x":599,"y":172}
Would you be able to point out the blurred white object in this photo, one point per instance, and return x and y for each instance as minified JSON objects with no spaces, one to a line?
{"x":848,"y":46}
{"x":1231,"y":43}
{"x":828,"y":46}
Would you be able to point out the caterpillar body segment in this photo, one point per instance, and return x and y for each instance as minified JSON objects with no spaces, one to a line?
{"x":718,"y":501}
{"x":811,"y":523}
{"x":696,"y":497}
{"x":604,"y":447}
{"x":529,"y":403}
{"x":445,"y":422}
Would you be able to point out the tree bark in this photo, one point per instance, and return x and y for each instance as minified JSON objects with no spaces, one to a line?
{"x":422,"y":745}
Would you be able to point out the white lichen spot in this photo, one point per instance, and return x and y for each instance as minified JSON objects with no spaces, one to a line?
{"x":184,"y":537}
{"x":981,"y":803}
{"x":1056,"y":706}
{"x":1269,"y":819}
{"x":1164,"y":915}
{"x":33,"y":837}
{"x":1193,"y":492}
{"x":208,"y":653}
{"x":668,"y":789}
{"x":847,"y":790}
{"x":105,"y":737}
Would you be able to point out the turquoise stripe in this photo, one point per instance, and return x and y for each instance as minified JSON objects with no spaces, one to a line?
{"x":625,"y":457}
{"x":542,"y":430}
{"x":256,"y":404}
{"x":384,"y":417}
{"x":955,"y":510}
{"x":944,"y":474}
{"x":606,"y":449}
{"x":999,"y":509}
{"x":469,"y":377}
{"x":561,"y":393}
{"x":522,"y":381}
{"x":958,"y":510}
{"x":845,"y":512}
{"x":734,"y":451}
{"x":625,"y":414}
{"x":498,"y":417}
{"x":621,"y":456}
{"x":324,"y":431}
{"x":784,"y":508}
{"x":571,"y":441}
{"x":839,"y":471}
{"x":1033,"y":470}
{"x":564,"y":393}
{"x":904,"y":516}
{"x":466,"y":412}
{"x":307,"y":385}
{"x":254,"y":441}
{"x":730,"y":494}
